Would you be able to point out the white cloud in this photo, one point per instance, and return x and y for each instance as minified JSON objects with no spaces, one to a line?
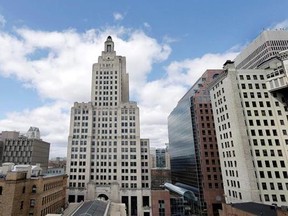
{"x":188,"y":71}
{"x":118,"y":16}
{"x":146,"y":25}
{"x":2,"y":21}
{"x":141,"y":53}
{"x":58,"y":66}
{"x":158,"y":98}
{"x":51,"y":119}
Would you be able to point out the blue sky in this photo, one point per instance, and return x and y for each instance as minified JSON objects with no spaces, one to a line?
{"x":48,"y":47}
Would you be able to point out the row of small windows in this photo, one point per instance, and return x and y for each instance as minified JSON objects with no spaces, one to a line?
{"x":78,"y":111}
{"x":81,"y":149}
{"x":132,"y":185}
{"x":218,"y":85}
{"x":277,"y":71}
{"x":235,"y":194}
{"x":277,"y":174}
{"x":105,"y":93}
{"x":215,"y":177}
{"x":81,"y":142}
{"x":211,"y":154}
{"x":79,"y":170}
{"x":209,"y":132}
{"x":221,"y":109}
{"x":105,"y":72}
{"x":78,"y":124}
{"x":271,"y":153}
{"x":105,"y":119}
{"x":206,"y":139}
{"x":80,"y":185}
{"x":104,"y":177}
{"x":233,"y":183}
{"x":75,"y":156}
{"x":81,"y":163}
{"x":263,"y":142}
{"x":279,"y":43}
{"x":103,"y":157}
{"x":74,"y":177}
{"x":105,"y":87}
{"x":224,"y":126}
{"x":220,"y":101}
{"x":83,"y":130}
{"x":231,"y":173}
{"x":273,"y":198}
{"x":230,"y":163}
{"x":103,"y":163}
{"x":214,"y":169}
{"x":226,"y":135}
{"x":106,"y":81}
{"x":274,"y":186}
{"x":126,"y":157}
{"x":266,"y":132}
{"x":260,"y":103}
{"x":21,"y":153}
{"x":212,"y":162}
{"x":263,"y":113}
{"x":223,"y":117}
{"x":252,"y":94}
{"x":273,"y":164}
{"x":105,"y":98}
{"x":250,"y":86}
{"x":229,"y":154}
{"x":17,"y":159}
{"x":216,"y":185}
{"x":249,"y":77}
{"x":227,"y":144}
{"x":126,"y":178}
{"x":51,"y":197}
{"x":105,"y":104}
{"x":83,"y":136}
{"x":50,"y":186}
{"x":79,"y":118}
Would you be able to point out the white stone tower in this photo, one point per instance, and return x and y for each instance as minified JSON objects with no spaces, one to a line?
{"x":106,"y":158}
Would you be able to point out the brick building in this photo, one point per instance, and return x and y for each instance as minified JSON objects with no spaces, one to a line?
{"x":22,"y":192}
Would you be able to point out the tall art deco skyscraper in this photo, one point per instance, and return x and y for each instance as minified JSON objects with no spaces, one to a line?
{"x":106,"y":157}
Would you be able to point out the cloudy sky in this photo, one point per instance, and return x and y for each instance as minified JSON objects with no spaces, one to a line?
{"x":47,"y":49}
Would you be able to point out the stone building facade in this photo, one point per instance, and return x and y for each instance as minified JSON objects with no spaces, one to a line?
{"x":21,"y":194}
{"x":20,"y":149}
{"x":106,"y":157}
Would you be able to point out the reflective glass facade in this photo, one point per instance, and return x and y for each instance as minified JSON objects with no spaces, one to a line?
{"x":181,"y":144}
{"x":193,"y":146}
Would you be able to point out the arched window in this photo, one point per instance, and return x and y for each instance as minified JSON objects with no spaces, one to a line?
{"x":1,"y":188}
{"x":34,"y":189}
{"x":23,"y":189}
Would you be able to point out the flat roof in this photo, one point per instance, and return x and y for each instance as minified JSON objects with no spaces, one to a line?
{"x":256,"y":208}
{"x":92,"y":208}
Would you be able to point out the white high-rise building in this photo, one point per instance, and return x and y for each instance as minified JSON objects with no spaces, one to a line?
{"x":251,"y":120}
{"x":265,"y":47}
{"x":106,"y":157}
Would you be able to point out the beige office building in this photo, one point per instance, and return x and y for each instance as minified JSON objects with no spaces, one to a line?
{"x":251,"y":119}
{"x":22,"y":149}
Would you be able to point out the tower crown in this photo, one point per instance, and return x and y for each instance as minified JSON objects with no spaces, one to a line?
{"x":109,"y":44}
